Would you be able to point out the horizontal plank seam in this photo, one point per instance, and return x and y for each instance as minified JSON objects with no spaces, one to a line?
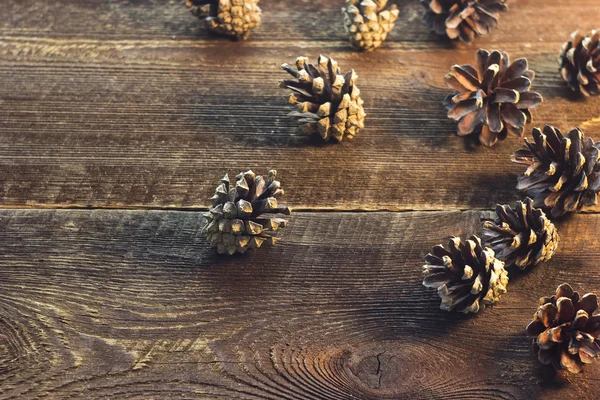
{"x":193,"y":40}
{"x":294,"y":209}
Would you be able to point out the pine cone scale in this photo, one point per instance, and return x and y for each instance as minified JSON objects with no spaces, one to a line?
{"x":520,"y":84}
{"x":465,"y":78}
{"x":528,"y":100}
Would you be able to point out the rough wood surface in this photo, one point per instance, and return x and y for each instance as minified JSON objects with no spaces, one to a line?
{"x":134,"y":304}
{"x":133,"y":104}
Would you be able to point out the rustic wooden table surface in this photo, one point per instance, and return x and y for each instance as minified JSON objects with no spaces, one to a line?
{"x":117,"y":120}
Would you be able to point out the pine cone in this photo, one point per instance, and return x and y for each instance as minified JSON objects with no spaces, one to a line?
{"x":565,"y":331}
{"x":233,"y":18}
{"x":467,"y":276}
{"x":563,"y":174}
{"x":580,"y":63}
{"x":242,"y":217}
{"x":329,"y":103}
{"x":462,"y":19}
{"x":493,"y":98}
{"x":366,"y":22}
{"x":523,"y":237}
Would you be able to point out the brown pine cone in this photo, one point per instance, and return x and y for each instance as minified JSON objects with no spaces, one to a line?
{"x":523,"y":237}
{"x":580,"y":63}
{"x":367,"y":23}
{"x":242,"y":216}
{"x":467,"y":276}
{"x":233,"y":18}
{"x":493,"y":98}
{"x":565,"y":330}
{"x":462,"y":19}
{"x":329,"y":103}
{"x":563,"y":173}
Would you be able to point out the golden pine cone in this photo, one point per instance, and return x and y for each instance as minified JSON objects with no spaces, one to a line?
{"x":242,"y":217}
{"x":467,"y":276}
{"x":367,"y":23}
{"x":328,"y":102}
{"x":234,"y":18}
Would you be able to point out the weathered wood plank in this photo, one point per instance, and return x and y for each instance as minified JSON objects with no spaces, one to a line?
{"x":284,"y":21}
{"x":111,"y":112}
{"x":133,"y":304}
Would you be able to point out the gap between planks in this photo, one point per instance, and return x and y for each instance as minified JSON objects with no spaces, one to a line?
{"x":43,"y":207}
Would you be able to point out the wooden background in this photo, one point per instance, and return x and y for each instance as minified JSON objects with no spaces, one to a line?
{"x":117,"y":120}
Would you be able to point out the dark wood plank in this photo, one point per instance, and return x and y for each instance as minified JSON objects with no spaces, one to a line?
{"x":133,"y":304}
{"x":130,"y":104}
{"x":284,"y":21}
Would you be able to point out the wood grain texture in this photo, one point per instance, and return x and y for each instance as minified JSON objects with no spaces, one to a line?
{"x":132,"y":104}
{"x":134,"y":304}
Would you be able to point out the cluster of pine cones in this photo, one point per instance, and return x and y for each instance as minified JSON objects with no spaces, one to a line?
{"x":367,"y":22}
{"x":474,"y":274}
{"x":493,"y":98}
{"x":562,"y":176}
